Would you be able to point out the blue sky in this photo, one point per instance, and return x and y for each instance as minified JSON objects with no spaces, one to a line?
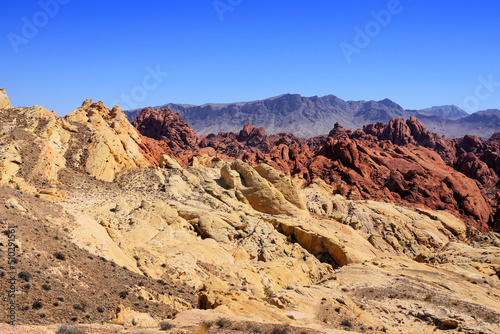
{"x":418,"y":53}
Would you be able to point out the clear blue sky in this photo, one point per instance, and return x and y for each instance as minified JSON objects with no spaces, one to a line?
{"x":428,"y":53}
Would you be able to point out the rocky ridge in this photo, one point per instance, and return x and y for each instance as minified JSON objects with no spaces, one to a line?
{"x":37,"y":144}
{"x":314,"y":116}
{"x":228,"y":246}
{"x":398,"y":162}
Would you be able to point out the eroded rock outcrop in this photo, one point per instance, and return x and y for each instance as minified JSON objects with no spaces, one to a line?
{"x":4,"y":100}
{"x":382,"y":161}
{"x":37,"y":144}
{"x":167,"y":126}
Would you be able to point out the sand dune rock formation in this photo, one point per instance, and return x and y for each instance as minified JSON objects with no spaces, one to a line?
{"x":114,"y":143}
{"x":37,"y":144}
{"x":240,"y":241}
{"x":4,"y":99}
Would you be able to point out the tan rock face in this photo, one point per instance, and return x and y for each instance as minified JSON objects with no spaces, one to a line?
{"x":4,"y":100}
{"x":279,"y":198}
{"x":38,"y":144}
{"x":349,"y":260}
{"x":115,"y":143}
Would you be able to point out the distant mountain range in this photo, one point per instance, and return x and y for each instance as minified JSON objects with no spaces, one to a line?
{"x":313,"y":116}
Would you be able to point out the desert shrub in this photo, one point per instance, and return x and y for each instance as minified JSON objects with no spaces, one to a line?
{"x":165,"y":325}
{"x":346,"y":323}
{"x":279,"y":329}
{"x":100,"y":309}
{"x":206,"y":324}
{"x":46,"y":287}
{"x":79,"y":306}
{"x":123,"y":294}
{"x":223,"y":323}
{"x":256,"y":330}
{"x":24,"y":275}
{"x":60,"y":256}
{"x":68,"y":329}
{"x":37,"y":305}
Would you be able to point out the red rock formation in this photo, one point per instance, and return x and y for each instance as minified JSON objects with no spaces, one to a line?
{"x":251,"y":143}
{"x":399,"y":162}
{"x":168,"y":127}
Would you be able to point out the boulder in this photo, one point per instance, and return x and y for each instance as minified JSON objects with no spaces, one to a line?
{"x":168,"y":162}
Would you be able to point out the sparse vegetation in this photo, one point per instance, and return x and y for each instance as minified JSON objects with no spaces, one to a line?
{"x":223,"y":323}
{"x":79,"y":306}
{"x":165,"y":325}
{"x":37,"y":305}
{"x":68,"y":329}
{"x":280,"y":329}
{"x":46,"y":287}
{"x":346,"y":323}
{"x":123,"y":294}
{"x":60,"y":256}
{"x":24,"y":275}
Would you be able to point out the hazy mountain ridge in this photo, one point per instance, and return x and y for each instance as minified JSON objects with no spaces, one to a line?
{"x":313,"y":116}
{"x":447,"y":111}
